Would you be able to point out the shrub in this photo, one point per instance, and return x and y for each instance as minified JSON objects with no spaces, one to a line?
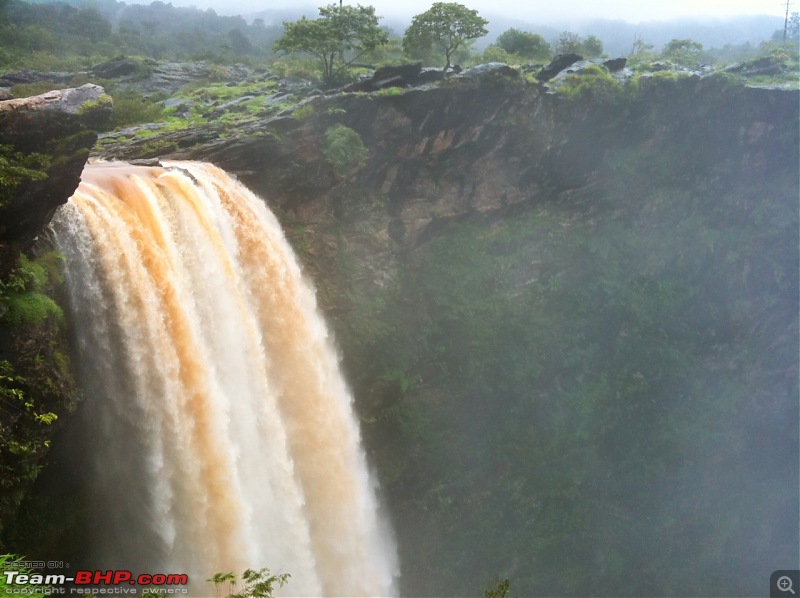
{"x":16,"y":168}
{"x":23,"y":295}
{"x":594,"y":82}
{"x":344,"y":149}
{"x":131,"y":108}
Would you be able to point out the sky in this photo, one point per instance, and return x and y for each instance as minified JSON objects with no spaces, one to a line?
{"x":534,"y":10}
{"x":629,"y":10}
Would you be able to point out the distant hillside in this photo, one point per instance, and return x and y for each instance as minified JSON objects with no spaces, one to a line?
{"x":618,"y":36}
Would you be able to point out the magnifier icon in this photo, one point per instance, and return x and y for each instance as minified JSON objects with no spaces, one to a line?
{"x":784,"y":584}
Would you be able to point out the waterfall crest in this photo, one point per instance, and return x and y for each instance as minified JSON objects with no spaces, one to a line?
{"x":223,"y":429}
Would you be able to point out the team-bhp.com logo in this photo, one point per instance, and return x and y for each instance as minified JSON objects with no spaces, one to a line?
{"x":94,"y":582}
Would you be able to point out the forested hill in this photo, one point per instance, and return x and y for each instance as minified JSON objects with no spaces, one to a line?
{"x":110,"y":28}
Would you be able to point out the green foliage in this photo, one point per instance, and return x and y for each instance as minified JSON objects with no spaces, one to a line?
{"x":588,"y":47}
{"x":22,"y":295}
{"x":641,"y":51}
{"x":592,"y":46}
{"x":593,"y":82}
{"x":530,"y":46}
{"x":494,"y":53}
{"x":10,"y":562}
{"x":24,"y":90}
{"x":131,"y":108}
{"x":255,"y":584}
{"x":304,"y":112}
{"x":683,"y":52}
{"x":447,"y":27}
{"x":390,"y":91}
{"x":36,"y":385}
{"x":31,"y":308}
{"x":17,"y":168}
{"x":57,"y":36}
{"x":344,"y":149}
{"x":337,"y":39}
{"x":581,"y":391}
{"x":499,"y":591}
{"x":89,"y":23}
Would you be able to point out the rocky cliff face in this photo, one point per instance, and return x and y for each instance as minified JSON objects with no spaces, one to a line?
{"x":488,"y":144}
{"x":44,"y":144}
{"x":485,"y":146}
{"x":49,"y":137}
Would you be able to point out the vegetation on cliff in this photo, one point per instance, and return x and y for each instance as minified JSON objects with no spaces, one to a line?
{"x":340,"y":36}
{"x":35,"y":377}
{"x":445,"y":27}
{"x":16,"y":168}
{"x":602,"y":385}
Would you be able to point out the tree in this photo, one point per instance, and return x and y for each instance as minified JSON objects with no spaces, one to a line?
{"x":524,"y":44}
{"x":640,"y":46}
{"x":446,"y":26}
{"x":238,"y":43}
{"x":90,"y":23}
{"x":684,"y":52}
{"x":3,"y":5}
{"x":592,"y":46}
{"x":790,"y":32}
{"x":344,"y":149}
{"x":569,"y":43}
{"x":337,"y":38}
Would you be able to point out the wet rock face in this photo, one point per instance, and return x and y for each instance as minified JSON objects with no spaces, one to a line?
{"x":57,"y":128}
{"x":487,"y":143}
{"x":558,"y":64}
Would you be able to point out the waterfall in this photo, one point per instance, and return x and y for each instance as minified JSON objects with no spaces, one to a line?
{"x":222,"y":429}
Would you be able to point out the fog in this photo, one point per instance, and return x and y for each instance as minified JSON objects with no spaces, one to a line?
{"x":571,"y":10}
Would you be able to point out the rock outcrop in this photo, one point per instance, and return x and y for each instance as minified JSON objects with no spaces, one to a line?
{"x":487,"y":144}
{"x":49,"y":137}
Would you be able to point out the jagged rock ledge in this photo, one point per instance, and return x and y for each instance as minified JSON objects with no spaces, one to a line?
{"x":58,"y":127}
{"x":485,"y":144}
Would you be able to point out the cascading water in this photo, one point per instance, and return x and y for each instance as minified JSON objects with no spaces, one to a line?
{"x":223,"y":430}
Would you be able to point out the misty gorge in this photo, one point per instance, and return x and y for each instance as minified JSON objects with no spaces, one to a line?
{"x":503,"y":331}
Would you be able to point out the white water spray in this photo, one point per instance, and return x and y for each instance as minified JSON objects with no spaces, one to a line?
{"x":224,"y":431}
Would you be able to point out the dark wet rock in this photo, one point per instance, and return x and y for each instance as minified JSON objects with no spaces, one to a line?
{"x":615,"y":64}
{"x":768,"y":65}
{"x":403,"y":75}
{"x":5,"y":94}
{"x":659,"y":66}
{"x":152,"y":162}
{"x":170,"y":77}
{"x":180,"y":106}
{"x":558,"y":64}
{"x":429,"y":75}
{"x":236,"y":105}
{"x":440,"y":153}
{"x":490,"y":69}
{"x":26,"y":117}
{"x":59,"y":126}
{"x":391,"y":82}
{"x":116,"y":68}
{"x":408,"y":72}
{"x":28,"y":76}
